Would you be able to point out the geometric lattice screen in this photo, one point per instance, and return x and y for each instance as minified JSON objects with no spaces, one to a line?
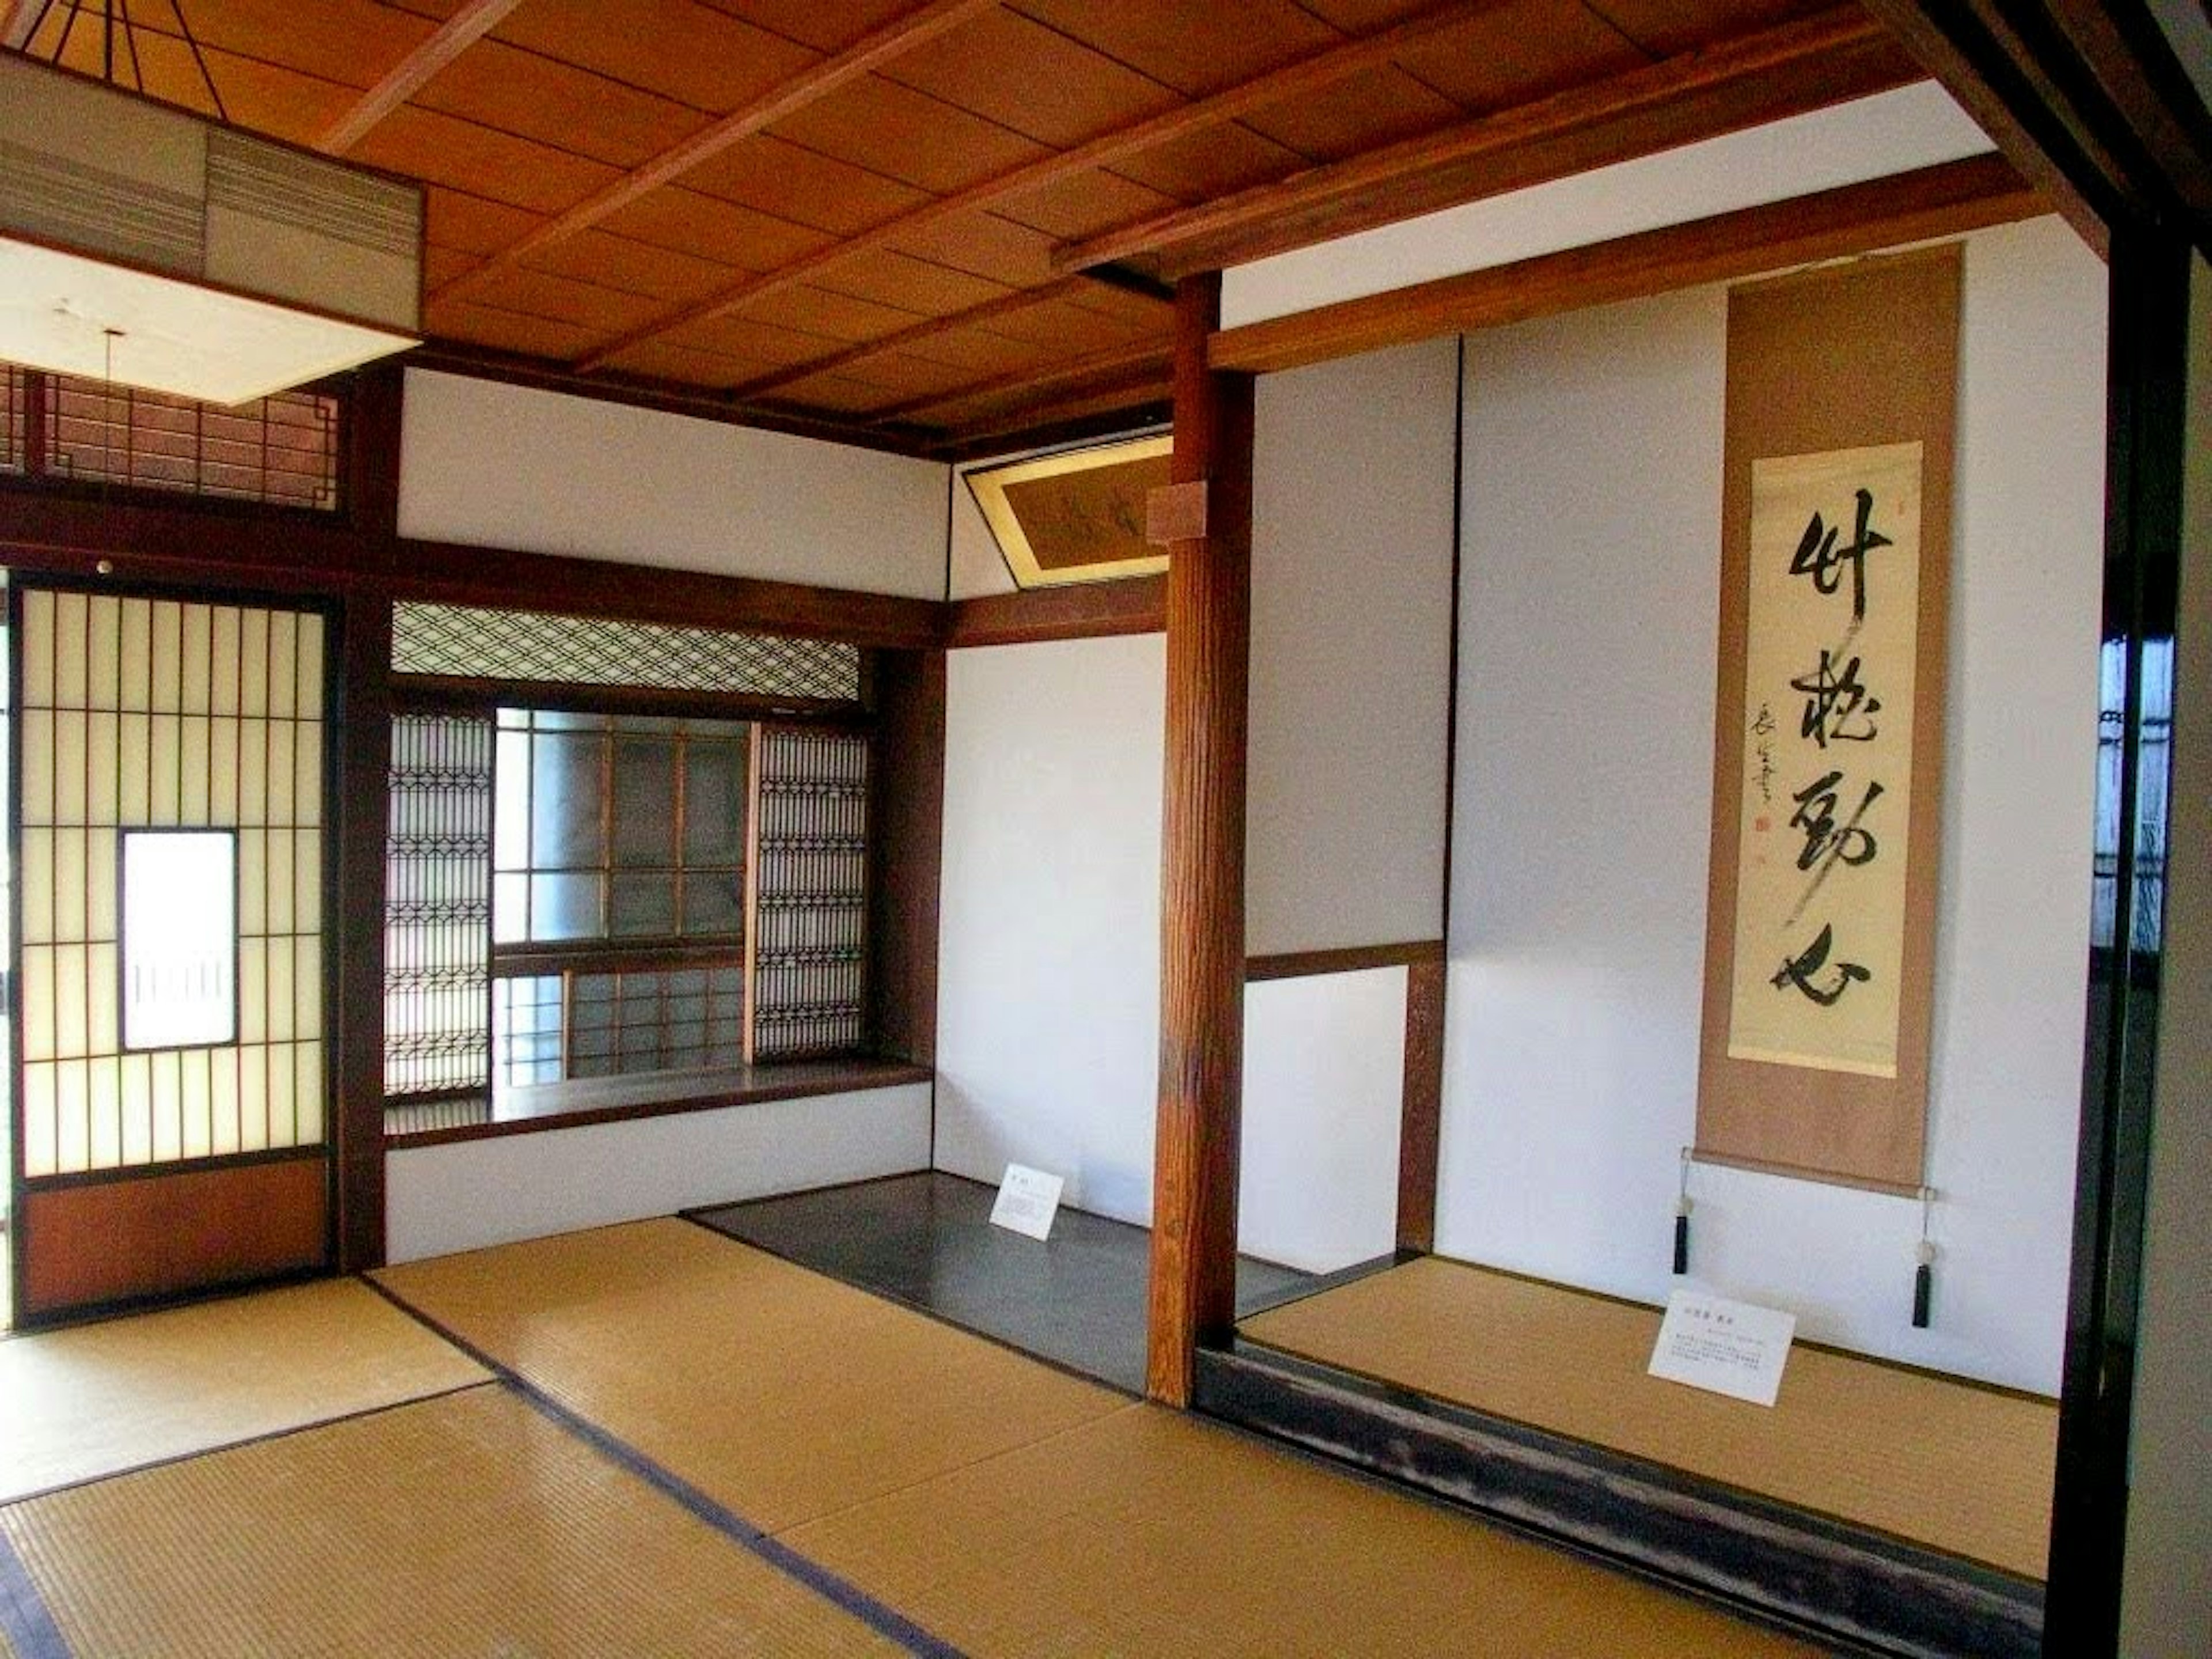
{"x":437,"y":905}
{"x":141,"y":714}
{"x":810,"y":899}
{"x":473,"y":642}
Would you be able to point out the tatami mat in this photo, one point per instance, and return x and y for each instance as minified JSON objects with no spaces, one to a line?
{"x":1153,"y":1534}
{"x":79,"y":1404}
{"x":778,"y":1393}
{"x":1962,"y":1468}
{"x":470,"y":1524}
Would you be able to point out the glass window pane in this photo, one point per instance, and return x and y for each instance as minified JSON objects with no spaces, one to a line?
{"x":510,"y":835}
{"x":566,"y":796}
{"x":180,"y":939}
{"x":714,"y":803}
{"x":564,"y":907}
{"x":711,"y":905}
{"x":644,"y":906}
{"x":645,"y":802}
{"x":510,"y":909}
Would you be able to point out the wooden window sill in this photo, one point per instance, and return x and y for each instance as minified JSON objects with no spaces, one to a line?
{"x":542,"y":1106}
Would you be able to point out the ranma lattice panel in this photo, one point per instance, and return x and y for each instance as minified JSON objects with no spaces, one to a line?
{"x":472,"y":642}
{"x":809,"y":893}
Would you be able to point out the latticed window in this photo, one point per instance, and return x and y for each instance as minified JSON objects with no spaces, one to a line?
{"x":579,"y":895}
{"x":281,"y":451}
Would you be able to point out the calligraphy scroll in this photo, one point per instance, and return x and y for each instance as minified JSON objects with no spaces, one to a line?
{"x":1820,"y":945}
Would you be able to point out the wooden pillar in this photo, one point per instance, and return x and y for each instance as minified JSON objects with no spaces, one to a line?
{"x":364,"y":747}
{"x":1209,"y":603}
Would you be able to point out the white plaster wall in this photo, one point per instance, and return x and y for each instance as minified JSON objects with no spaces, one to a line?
{"x":1350,"y":680}
{"x":976,"y":566}
{"x":490,"y":465}
{"x":468,"y":1193}
{"x":1324,"y":1067}
{"x":1894,"y":131}
{"x":1588,"y":606}
{"x":2167,"y":1605}
{"x":1048,"y":1038}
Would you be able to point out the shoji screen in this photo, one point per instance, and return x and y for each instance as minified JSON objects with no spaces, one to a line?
{"x":154,"y":713}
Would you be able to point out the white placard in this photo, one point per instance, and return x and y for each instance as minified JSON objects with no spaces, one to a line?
{"x":1728,"y":1348}
{"x":1027,"y":1200}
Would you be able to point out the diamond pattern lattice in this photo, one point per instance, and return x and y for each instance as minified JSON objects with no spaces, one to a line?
{"x":477,"y":643}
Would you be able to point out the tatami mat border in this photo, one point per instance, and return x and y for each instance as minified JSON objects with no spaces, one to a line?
{"x":884,"y":1620}
{"x":25,"y":1620}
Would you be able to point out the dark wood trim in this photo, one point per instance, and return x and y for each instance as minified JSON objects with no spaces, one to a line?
{"x":905,"y":840}
{"x":2147,"y":432}
{"x":1850,"y":1588}
{"x":812,"y":1079}
{"x":615,"y":956}
{"x":1348,"y":959}
{"x":471,"y":23}
{"x":362,"y":721}
{"x":1077,"y":610}
{"x":1147,"y":362}
{"x":1946,"y":200}
{"x":1193,"y":1296}
{"x":370,"y":411}
{"x":1805,"y":64}
{"x":462,"y":695}
{"x":1421,"y":1118}
{"x":1049,"y":429}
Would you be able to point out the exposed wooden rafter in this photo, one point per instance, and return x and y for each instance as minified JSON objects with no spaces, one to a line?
{"x":871,"y":51}
{"x":411,"y":73}
{"x":1304,"y":76}
{"x":1945,"y":200}
{"x":1785,"y":70}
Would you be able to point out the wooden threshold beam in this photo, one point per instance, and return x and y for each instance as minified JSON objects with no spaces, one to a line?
{"x":1291,"y":80}
{"x":1789,"y":70}
{"x":1193,"y":1293}
{"x":1946,"y":200}
{"x":467,"y":26}
{"x":865,"y":56}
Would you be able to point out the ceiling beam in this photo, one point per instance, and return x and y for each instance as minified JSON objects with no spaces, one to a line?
{"x":1004,"y":306}
{"x":19,"y":22}
{"x":1292,"y":80}
{"x":1946,"y":200}
{"x":405,"y":78}
{"x":1810,"y":63}
{"x":818,"y":81}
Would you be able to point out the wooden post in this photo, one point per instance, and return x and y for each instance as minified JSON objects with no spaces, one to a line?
{"x":364,"y":748}
{"x":1193,"y":1269}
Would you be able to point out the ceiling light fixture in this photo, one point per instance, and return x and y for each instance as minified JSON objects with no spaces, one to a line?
{"x":188,"y":255}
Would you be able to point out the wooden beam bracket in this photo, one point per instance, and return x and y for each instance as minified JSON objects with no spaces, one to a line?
{"x":1176,"y":513}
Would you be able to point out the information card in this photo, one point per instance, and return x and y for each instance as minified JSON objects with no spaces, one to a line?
{"x":1027,"y":1200}
{"x":1728,"y":1347}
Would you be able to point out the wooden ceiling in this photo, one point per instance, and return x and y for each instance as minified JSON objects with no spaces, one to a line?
{"x":937,"y":225}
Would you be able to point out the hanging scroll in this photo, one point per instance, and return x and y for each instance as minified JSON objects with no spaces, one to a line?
{"x":1820,"y":941}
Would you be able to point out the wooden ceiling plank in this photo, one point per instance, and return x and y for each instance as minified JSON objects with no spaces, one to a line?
{"x":1945,"y":200}
{"x":1304,"y":76}
{"x":1365,"y":182}
{"x":902,"y":33}
{"x":927,"y":329}
{"x":407,"y":76}
{"x":1113,"y":363}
